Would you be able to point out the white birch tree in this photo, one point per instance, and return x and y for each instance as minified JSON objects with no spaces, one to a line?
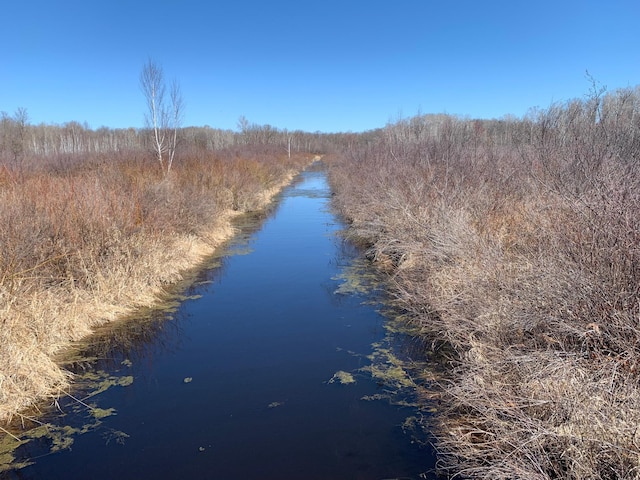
{"x":176,"y":114}
{"x":163,"y":120}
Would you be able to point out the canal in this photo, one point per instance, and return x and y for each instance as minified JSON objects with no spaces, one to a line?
{"x":262,"y":370}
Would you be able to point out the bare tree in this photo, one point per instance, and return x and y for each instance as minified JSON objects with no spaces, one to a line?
{"x":164,"y":121}
{"x":13,"y":133}
{"x":152,"y":85}
{"x":177,"y":110}
{"x":244,"y":126}
{"x":21,"y":118}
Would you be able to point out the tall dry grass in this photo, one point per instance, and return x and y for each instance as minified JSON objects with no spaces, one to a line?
{"x":86,"y":239}
{"x":519,"y":261}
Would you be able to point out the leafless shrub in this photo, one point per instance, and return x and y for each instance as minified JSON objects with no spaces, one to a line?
{"x":516,"y":246}
{"x":86,"y":238}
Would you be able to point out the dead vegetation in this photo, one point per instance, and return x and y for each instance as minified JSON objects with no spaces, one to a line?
{"x":514,"y":245}
{"x":86,"y":238}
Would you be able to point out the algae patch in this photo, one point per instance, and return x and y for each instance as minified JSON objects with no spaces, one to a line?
{"x":357,"y":279}
{"x":342,"y":377}
{"x":8,"y":445}
{"x":116,"y":436}
{"x":388,"y":369}
{"x":100,"y":381}
{"x":124,"y":381}
{"x":376,"y":396}
{"x":61,"y":438}
{"x":102,"y":413}
{"x":54,"y":438}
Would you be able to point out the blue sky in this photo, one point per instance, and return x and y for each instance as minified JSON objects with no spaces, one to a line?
{"x":326,"y":65}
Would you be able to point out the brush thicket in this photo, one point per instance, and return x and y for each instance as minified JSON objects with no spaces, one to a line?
{"x":515,"y":247}
{"x":89,"y":239}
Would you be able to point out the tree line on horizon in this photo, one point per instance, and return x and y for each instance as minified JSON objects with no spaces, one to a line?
{"x":20,"y":139}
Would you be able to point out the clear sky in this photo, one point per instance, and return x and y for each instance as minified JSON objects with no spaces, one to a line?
{"x":322,"y":65}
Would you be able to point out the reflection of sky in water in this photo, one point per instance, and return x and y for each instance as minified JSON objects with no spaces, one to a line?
{"x":314,"y":186}
{"x":259,"y":348}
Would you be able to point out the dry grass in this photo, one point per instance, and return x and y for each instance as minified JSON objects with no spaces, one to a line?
{"x":519,"y":262}
{"x":88,"y":240}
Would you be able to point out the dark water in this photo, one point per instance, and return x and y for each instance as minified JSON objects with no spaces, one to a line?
{"x":235,"y":384}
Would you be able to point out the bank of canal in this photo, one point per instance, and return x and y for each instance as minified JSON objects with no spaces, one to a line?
{"x":262,"y":371}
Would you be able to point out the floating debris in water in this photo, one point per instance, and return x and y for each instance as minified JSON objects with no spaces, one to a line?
{"x":275,"y":404}
{"x":187,"y":379}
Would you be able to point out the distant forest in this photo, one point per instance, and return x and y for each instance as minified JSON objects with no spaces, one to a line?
{"x":21,"y":141}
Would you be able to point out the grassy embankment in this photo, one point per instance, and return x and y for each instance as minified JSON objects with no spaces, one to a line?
{"x":88,"y":239}
{"x":515,"y":247}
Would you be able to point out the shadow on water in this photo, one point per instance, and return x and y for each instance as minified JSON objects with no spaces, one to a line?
{"x":274,"y":362}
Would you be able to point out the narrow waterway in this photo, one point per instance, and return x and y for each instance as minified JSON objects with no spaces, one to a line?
{"x":256,"y":374}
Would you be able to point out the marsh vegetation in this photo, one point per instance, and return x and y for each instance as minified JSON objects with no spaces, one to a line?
{"x":513,"y":246}
{"x":92,"y":229}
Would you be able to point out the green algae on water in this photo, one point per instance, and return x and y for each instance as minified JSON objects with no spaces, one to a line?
{"x":8,"y":445}
{"x":98,"y":382}
{"x":357,"y":279}
{"x":342,"y":377}
{"x":58,"y":438}
{"x":102,"y":412}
